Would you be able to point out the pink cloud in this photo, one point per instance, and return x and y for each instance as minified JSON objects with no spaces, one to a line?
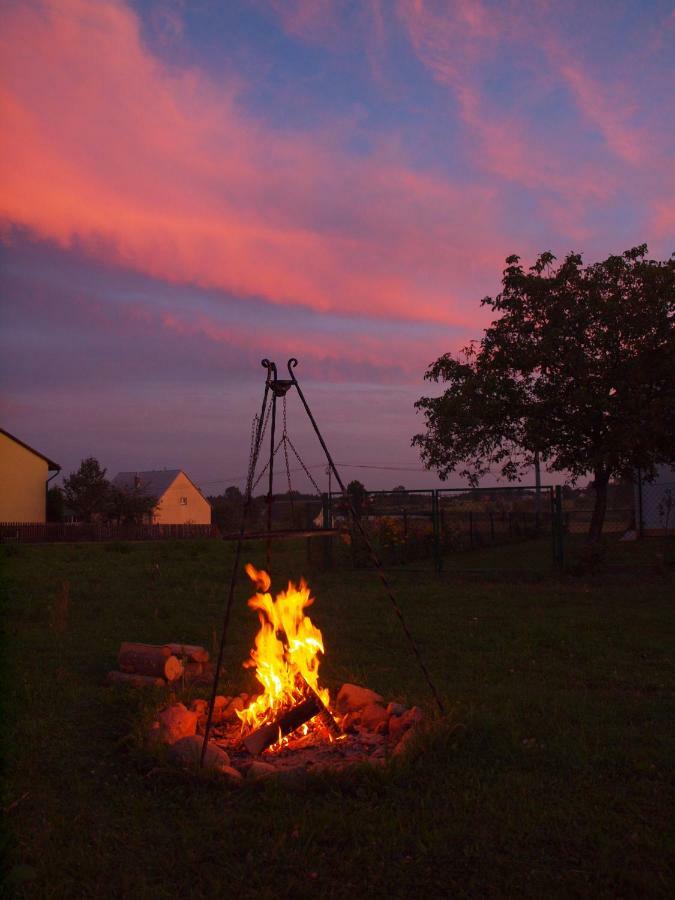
{"x":455,"y":43}
{"x":453,"y":47}
{"x":162,"y":171}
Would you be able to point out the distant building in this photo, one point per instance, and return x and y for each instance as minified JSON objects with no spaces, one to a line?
{"x":179,"y":501}
{"x":24,"y":473}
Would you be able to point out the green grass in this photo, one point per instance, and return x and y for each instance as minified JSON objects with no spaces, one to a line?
{"x":549,"y":776}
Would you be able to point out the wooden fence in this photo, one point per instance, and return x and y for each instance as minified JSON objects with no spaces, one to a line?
{"x":49,"y":532}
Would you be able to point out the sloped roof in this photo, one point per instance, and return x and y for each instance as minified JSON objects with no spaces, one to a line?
{"x":52,"y":466}
{"x":153,"y":483}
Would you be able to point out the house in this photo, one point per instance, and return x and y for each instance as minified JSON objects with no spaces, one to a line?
{"x":24,"y":473}
{"x":179,"y":501}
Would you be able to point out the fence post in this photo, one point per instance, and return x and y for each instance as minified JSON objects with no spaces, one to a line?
{"x":327,"y":524}
{"x":558,"y":529}
{"x":405,"y":535}
{"x":438,"y":562}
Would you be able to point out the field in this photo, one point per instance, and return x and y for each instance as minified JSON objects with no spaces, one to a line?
{"x":549,"y":775}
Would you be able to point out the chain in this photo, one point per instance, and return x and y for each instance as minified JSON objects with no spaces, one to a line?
{"x":307,"y":472}
{"x":284,"y":438}
{"x":267,"y":465}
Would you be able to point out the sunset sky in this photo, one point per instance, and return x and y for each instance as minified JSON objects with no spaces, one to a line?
{"x":190,"y":186}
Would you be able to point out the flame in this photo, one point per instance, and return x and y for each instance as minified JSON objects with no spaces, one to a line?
{"x":286,"y":652}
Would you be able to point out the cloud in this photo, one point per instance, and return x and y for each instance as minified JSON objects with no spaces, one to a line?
{"x":543,"y":138}
{"x":70,"y":323}
{"x":163,"y":171}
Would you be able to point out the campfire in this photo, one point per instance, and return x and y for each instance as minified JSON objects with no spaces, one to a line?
{"x":291,"y":722}
{"x":286,"y":660}
{"x":291,"y":725}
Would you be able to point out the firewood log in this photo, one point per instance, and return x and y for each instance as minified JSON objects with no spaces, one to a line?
{"x":134,"y":680}
{"x":191,"y":651}
{"x":192,"y":670}
{"x":288,"y":721}
{"x":141,"y":648}
{"x":144,"y":659}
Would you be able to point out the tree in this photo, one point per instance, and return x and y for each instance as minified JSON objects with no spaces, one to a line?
{"x":86,"y":490}
{"x":227,"y":509}
{"x":128,"y":505}
{"x":358,"y":495}
{"x":55,"y":504}
{"x":577,"y":368}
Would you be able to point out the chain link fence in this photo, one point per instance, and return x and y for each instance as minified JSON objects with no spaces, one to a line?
{"x":527,"y":530}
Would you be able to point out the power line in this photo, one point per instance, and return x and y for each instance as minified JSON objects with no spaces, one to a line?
{"x":342,"y":465}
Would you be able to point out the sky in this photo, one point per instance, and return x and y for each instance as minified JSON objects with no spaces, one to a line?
{"x":188,"y":187}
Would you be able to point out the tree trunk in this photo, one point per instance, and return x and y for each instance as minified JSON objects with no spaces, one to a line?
{"x":600,"y":508}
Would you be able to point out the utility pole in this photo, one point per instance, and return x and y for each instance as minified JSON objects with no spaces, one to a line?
{"x":329,"y":472}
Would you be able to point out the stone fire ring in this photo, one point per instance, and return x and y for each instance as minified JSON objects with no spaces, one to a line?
{"x":373,"y":732}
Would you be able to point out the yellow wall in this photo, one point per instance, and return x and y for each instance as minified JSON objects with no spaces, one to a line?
{"x":23,"y":477}
{"x":170,"y":511}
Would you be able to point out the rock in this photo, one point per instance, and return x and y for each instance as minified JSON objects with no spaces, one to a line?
{"x":176,"y":722}
{"x":230,"y":712}
{"x":353,"y":697}
{"x":220,"y":704}
{"x":259,"y":769}
{"x":201,"y":707}
{"x":382,"y":728}
{"x":404,"y":744}
{"x":396,"y":727}
{"x":396,"y":709}
{"x":413,"y":716}
{"x":188,"y":751}
{"x":373,"y":715}
{"x":349,"y":722}
{"x":232,"y":774}
{"x":399,"y":724}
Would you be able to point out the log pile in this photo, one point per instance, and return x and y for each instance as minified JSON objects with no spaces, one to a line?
{"x":154,"y":665}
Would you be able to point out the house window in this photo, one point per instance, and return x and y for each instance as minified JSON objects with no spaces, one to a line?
{"x":183,"y":501}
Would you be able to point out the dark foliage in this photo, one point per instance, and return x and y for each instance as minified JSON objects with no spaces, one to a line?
{"x":86,"y":491}
{"x":55,"y":504}
{"x":578,"y":367}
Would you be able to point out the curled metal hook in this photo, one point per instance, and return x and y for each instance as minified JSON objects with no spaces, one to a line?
{"x":271,"y":369}
{"x":292,"y":363}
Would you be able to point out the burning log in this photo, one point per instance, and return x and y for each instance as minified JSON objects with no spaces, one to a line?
{"x":284,"y":724}
{"x":147,"y":659}
{"x":326,"y":714}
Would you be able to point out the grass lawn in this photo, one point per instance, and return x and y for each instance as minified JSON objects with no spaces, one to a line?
{"x":548,"y":777}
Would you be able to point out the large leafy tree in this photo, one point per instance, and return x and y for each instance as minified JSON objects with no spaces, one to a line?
{"x":128,"y":506}
{"x":87,"y":490}
{"x":577,"y":368}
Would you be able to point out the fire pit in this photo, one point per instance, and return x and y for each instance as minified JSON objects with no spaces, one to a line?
{"x":292,"y":724}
